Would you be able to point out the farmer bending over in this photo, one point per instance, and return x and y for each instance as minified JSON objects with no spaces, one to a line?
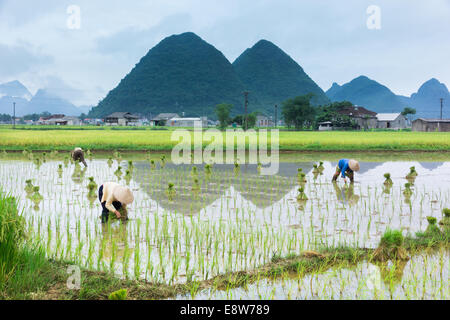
{"x":78,"y":155}
{"x":113,"y":197}
{"x":346,"y":167}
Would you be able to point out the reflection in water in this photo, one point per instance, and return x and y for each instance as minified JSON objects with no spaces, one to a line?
{"x":402,"y":280}
{"x":240,"y":220}
{"x":198,"y":187}
{"x":78,"y":174}
{"x":115,"y":243}
{"x":346,"y":194}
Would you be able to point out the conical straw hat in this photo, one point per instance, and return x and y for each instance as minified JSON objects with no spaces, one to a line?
{"x":123,"y":195}
{"x":354,"y":165}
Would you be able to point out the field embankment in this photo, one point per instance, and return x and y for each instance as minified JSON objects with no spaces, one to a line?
{"x":161,"y":140}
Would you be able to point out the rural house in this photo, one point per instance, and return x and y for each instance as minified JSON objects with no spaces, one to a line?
{"x":391,"y":121}
{"x":429,"y":125}
{"x":162,"y":119}
{"x":365,"y":119}
{"x":122,"y":119}
{"x":54,"y":119}
{"x":263,"y":121}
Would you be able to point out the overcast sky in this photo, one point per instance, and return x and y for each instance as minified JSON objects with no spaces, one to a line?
{"x":329,"y":39}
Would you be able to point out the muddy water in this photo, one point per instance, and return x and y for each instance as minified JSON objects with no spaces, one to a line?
{"x":228,"y":220}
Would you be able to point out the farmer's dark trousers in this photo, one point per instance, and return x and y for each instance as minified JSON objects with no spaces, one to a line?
{"x":105,"y":212}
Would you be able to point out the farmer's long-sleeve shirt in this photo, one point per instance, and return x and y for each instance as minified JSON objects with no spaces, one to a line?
{"x":343,"y":166}
{"x":108,"y":195}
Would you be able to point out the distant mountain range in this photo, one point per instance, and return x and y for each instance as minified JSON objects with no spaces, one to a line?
{"x":43,"y":100}
{"x":377,"y":97}
{"x":184,"y":73}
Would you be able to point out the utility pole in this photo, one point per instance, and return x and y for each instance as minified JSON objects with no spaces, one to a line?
{"x":14,"y":115}
{"x":442,"y":103}
{"x":246,"y":104}
{"x":276,"y":113}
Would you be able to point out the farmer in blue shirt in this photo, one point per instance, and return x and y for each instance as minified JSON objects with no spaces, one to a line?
{"x":346,"y":168}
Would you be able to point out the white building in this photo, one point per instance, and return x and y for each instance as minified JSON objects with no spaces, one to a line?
{"x":187,"y":122}
{"x":71,"y":121}
{"x":391,"y":121}
{"x":325,"y":126}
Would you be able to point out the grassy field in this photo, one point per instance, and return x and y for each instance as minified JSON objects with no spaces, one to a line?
{"x":108,"y":139}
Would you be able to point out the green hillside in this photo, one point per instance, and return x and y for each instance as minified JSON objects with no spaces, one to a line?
{"x":183,"y":73}
{"x":273,"y":76}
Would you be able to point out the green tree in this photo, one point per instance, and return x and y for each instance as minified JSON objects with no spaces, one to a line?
{"x":331,"y":113}
{"x":251,"y":119}
{"x":237,"y":119}
{"x":223,"y":114}
{"x":5,"y":117}
{"x":298,"y":111}
{"x":408,"y":111}
{"x":36,"y":116}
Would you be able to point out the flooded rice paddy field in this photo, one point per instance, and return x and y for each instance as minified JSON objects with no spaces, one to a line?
{"x":230,"y":219}
{"x":423,"y":277}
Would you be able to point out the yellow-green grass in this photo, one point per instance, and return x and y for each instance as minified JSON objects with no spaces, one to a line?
{"x":161,"y":140}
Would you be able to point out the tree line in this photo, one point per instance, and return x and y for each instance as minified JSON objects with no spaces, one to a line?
{"x":298,"y":113}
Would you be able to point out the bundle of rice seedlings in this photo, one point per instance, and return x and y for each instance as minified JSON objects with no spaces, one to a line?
{"x":388,"y":181}
{"x":36,"y":197}
{"x":170,"y":191}
{"x":208,"y":169}
{"x":92,"y":186}
{"x":412,"y":173}
{"x":301,"y":194}
{"x":446,"y":219}
{"x":315,"y":169}
{"x":118,"y":172}
{"x":29,"y":186}
{"x":432,"y":228}
{"x":118,"y":295}
{"x":321,"y":167}
{"x":127,"y":176}
{"x":407,"y":192}
{"x":390,"y":247}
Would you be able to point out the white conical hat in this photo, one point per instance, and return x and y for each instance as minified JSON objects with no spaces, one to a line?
{"x":353,"y":164}
{"x":123,"y":195}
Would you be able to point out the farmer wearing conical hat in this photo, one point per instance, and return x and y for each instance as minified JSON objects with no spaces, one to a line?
{"x":114,"y":197}
{"x":346,"y":168}
{"x":78,"y":155}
